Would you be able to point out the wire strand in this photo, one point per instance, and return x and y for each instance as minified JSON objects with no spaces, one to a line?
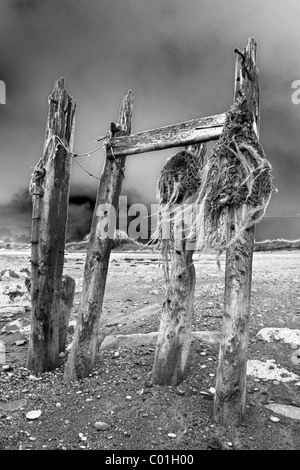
{"x":75,"y":155}
{"x":84,"y":169}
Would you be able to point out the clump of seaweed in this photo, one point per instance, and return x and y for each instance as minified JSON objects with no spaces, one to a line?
{"x":179,"y":181}
{"x":237,"y":172}
{"x":197,"y":191}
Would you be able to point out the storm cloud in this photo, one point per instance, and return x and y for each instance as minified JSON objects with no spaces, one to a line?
{"x":178,"y":59}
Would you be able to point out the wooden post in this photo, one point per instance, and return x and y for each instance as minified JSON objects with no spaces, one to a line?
{"x":66,"y":304}
{"x":174,"y":338}
{"x":230,"y":397}
{"x":50,"y":194}
{"x":186,"y":133}
{"x":83,"y":352}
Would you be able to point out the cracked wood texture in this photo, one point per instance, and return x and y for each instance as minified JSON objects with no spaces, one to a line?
{"x":174,"y":337}
{"x":177,"y":135}
{"x":66,"y":304}
{"x":50,"y":210}
{"x":81,"y":359}
{"x":230,"y":397}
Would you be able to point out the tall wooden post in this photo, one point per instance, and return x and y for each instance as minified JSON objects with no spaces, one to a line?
{"x":66,"y":304}
{"x":50,"y":193}
{"x":174,"y":338}
{"x":173,"y":342}
{"x":83,"y":352}
{"x":230,"y":397}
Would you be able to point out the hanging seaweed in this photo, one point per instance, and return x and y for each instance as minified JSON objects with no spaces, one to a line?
{"x":237,"y":172}
{"x":197,"y":191}
{"x":179,"y":181}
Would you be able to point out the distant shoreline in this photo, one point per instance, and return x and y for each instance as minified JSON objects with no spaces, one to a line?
{"x":132,"y":245}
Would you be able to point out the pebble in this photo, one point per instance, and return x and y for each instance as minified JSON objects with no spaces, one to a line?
{"x":7,"y":368}
{"x":296,"y":357}
{"x":13,"y":274}
{"x":128,"y":397}
{"x":34,"y":414}
{"x":274,"y":419}
{"x":101,"y":426}
{"x":20,"y":342}
{"x":172,"y":435}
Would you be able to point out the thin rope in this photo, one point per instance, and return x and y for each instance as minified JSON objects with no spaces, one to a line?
{"x":75,"y":155}
{"x":84,"y":169}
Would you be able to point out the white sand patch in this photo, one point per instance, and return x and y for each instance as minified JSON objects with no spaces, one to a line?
{"x":270,"y":371}
{"x":286,"y":335}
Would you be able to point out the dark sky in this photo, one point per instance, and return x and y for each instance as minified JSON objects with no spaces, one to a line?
{"x":176,"y":55}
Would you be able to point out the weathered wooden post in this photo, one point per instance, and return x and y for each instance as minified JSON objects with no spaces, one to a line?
{"x":230,"y":397}
{"x":66,"y":304}
{"x":173,"y":342}
{"x":83,"y":352}
{"x":174,"y":338}
{"x":50,"y":193}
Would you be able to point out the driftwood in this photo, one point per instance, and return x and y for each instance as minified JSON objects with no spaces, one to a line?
{"x":174,"y":337}
{"x":178,"y":135}
{"x":66,"y":304}
{"x":83,"y":352}
{"x":230,"y":397}
{"x":50,"y":193}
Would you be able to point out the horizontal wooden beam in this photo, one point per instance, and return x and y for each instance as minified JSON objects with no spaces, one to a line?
{"x":177,"y":135}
